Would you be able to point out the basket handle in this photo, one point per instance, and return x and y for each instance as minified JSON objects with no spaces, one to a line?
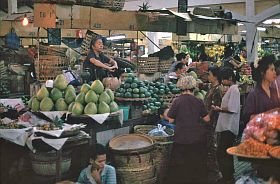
{"x":134,"y":153}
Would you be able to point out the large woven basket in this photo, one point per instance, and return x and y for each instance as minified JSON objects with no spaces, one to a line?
{"x":164,"y":65}
{"x":162,"y":154}
{"x":147,"y":64}
{"x":115,"y":5}
{"x":145,"y":129}
{"x":44,"y":163}
{"x":130,"y":175}
{"x":48,"y":67}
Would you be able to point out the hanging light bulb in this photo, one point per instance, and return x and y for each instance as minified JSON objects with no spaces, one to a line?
{"x":25,"y":21}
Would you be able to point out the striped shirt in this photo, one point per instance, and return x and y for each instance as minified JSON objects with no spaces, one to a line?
{"x":108,"y":176}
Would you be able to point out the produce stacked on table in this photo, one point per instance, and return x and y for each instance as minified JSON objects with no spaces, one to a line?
{"x":159,"y":91}
{"x":91,"y":100}
{"x":132,"y":87}
{"x":262,"y":134}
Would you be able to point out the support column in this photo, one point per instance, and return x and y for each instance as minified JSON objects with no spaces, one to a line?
{"x":252,"y":38}
{"x":12,"y":6}
{"x":251,"y":32}
{"x":155,"y":38}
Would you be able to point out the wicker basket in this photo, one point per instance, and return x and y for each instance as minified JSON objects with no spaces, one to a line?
{"x":44,"y":163}
{"x":115,"y":5}
{"x":144,"y":129}
{"x":133,"y":160}
{"x":128,"y":175}
{"x":53,"y":51}
{"x":148,"y":64}
{"x":164,"y":65}
{"x":168,"y":99}
{"x":162,"y":154}
{"x":48,"y":67}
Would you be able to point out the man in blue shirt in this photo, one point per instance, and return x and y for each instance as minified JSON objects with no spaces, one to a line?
{"x":163,"y":111}
{"x":98,"y":172}
{"x":97,"y":62}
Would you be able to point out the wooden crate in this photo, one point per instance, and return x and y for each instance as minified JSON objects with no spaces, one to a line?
{"x":147,"y":64}
{"x":48,"y":67}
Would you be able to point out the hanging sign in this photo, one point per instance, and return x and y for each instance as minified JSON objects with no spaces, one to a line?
{"x":54,"y":36}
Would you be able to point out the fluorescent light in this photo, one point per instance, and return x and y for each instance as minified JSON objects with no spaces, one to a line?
{"x":240,"y":24}
{"x":272,"y":21}
{"x":116,"y":37}
{"x":261,"y":29}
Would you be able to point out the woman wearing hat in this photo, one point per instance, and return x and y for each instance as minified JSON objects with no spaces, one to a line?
{"x":189,"y":152}
{"x":97,"y":62}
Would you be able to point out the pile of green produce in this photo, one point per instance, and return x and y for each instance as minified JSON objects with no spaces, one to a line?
{"x":158,"y":90}
{"x":91,"y":100}
{"x":199,"y":93}
{"x":133,"y":88}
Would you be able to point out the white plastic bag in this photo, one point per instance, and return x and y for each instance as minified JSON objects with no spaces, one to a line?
{"x":159,"y":131}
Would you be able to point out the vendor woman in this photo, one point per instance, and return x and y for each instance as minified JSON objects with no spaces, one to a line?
{"x":99,"y":64}
{"x":263,"y":97}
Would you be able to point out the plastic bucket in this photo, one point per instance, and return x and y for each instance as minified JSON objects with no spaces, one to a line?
{"x":125,"y":112}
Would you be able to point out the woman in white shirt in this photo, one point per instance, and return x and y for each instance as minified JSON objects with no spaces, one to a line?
{"x":228,"y":124}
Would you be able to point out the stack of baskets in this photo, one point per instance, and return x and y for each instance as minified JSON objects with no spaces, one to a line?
{"x":115,"y":5}
{"x":162,"y":149}
{"x":148,"y":65}
{"x":48,"y":67}
{"x":4,"y":82}
{"x":54,"y":51}
{"x":164,"y":65}
{"x":133,"y":159}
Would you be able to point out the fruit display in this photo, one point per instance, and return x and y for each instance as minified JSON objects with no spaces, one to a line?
{"x":215,"y":50}
{"x":63,"y":97}
{"x":161,"y":94}
{"x":261,"y":136}
{"x":94,"y":99}
{"x":11,"y":125}
{"x":51,"y":99}
{"x":245,"y":69}
{"x":246,"y":79}
{"x":133,"y":88}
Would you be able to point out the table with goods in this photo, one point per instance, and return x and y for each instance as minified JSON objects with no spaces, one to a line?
{"x":48,"y":129}
{"x":260,"y":144}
